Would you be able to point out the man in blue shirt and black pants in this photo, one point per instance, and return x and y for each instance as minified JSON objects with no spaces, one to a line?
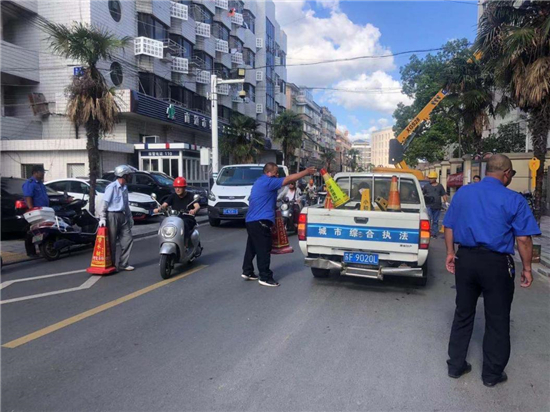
{"x":484,"y":220}
{"x":260,"y":218}
{"x":35,"y":195}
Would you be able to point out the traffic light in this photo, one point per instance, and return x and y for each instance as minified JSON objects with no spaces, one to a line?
{"x":396,"y":152}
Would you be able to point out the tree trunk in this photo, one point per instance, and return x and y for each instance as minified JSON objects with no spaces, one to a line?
{"x":539,"y":125}
{"x":92,"y":145}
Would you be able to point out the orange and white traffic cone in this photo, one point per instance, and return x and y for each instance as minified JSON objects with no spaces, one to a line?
{"x":280,"y":244}
{"x":101,"y":259}
{"x":394,"y":202}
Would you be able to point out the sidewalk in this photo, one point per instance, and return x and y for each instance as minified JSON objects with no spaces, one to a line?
{"x":544,"y":241}
{"x":13,"y":251}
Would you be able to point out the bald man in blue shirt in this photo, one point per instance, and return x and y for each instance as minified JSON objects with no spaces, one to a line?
{"x":484,"y":220}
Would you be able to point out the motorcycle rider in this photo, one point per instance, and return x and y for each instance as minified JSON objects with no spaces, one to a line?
{"x":180,"y":201}
{"x":311,"y":191}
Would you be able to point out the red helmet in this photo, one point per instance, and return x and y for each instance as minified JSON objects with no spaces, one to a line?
{"x":180,"y":182}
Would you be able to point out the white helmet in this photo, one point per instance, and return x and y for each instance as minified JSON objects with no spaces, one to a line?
{"x":123,"y":170}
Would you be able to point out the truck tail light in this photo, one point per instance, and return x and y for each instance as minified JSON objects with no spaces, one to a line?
{"x":424,"y":242}
{"x":302,"y":227}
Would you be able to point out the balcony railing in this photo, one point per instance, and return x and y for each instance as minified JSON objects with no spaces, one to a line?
{"x":223,"y":89}
{"x":222,"y":4}
{"x":222,"y":46}
{"x":179,"y":11}
{"x":237,"y":99}
{"x":203,"y":76}
{"x":180,"y":65}
{"x":202,"y":29}
{"x":237,"y":58}
{"x":237,"y":19}
{"x":148,"y":47}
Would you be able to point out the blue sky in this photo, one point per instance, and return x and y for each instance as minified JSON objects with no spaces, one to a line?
{"x":328,"y":29}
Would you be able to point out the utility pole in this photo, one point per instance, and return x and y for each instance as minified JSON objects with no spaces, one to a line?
{"x":214,"y":82}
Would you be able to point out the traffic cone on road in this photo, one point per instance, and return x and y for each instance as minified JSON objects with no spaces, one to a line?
{"x":101,"y":259}
{"x":394,"y":202}
{"x":280,"y":244}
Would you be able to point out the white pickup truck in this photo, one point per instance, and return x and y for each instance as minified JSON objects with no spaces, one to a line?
{"x":369,"y":244}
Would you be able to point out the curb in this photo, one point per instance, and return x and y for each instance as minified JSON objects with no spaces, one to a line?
{"x":202,"y":219}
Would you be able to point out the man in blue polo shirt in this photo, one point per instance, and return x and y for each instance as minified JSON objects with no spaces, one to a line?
{"x":260,"y":218}
{"x":484,"y":220}
{"x":35,"y":195}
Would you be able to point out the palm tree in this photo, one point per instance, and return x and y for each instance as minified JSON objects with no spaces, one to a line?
{"x":241,"y":140}
{"x":288,"y":129}
{"x":353,"y":153}
{"x":328,"y":156}
{"x":91,"y":103}
{"x":515,"y":45}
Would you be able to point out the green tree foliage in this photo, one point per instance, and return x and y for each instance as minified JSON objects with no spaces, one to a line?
{"x":508,"y":139}
{"x":288,"y":129}
{"x":328,"y":158}
{"x":241,"y":141}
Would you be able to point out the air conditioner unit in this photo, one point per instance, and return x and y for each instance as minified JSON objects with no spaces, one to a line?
{"x":259,"y":75}
{"x":259,"y":43}
{"x":259,"y":108}
{"x":150,"y":139}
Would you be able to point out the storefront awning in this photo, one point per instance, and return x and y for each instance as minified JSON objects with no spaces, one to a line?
{"x":455,"y":180}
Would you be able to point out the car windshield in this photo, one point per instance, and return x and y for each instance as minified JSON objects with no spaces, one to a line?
{"x":239,"y":176}
{"x":162,"y":180}
{"x":100,"y":186}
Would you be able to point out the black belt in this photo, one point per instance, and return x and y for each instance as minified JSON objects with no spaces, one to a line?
{"x":109,"y":211}
{"x":480,"y":249}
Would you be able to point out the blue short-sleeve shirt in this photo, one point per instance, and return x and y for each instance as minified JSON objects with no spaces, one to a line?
{"x":263,"y":198}
{"x":35,"y":189}
{"x":490,"y":215}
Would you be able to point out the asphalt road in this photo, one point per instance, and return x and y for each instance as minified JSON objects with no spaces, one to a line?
{"x":212,"y":341}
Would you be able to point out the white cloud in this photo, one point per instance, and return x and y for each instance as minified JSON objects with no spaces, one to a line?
{"x":313,"y":39}
{"x":364,"y":93}
{"x":383,"y":122}
{"x":354,"y":120}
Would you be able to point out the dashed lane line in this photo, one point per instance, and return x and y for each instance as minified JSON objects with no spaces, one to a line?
{"x":77,"y":318}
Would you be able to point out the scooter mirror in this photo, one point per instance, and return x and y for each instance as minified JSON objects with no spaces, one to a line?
{"x":196,"y":198}
{"x":153,"y":196}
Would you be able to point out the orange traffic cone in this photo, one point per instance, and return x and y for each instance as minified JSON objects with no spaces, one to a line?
{"x":394,"y":203}
{"x":328,"y":202}
{"x":101,"y":259}
{"x":280,"y":244}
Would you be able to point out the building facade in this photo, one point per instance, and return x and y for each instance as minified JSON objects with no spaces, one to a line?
{"x":343,"y":146}
{"x":380,"y":140}
{"x":364,"y":159}
{"x":162,"y":82}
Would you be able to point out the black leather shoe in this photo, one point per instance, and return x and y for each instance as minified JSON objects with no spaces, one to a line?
{"x":503,"y":378}
{"x":467,"y":369}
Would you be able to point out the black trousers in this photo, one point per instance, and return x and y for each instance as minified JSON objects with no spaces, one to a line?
{"x":258,"y":245}
{"x":477,"y":271}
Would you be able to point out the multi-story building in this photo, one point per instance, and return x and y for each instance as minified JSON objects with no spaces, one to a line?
{"x":364,"y":159}
{"x":328,"y":129}
{"x":162,"y":80}
{"x":380,"y":141}
{"x":343,"y":146}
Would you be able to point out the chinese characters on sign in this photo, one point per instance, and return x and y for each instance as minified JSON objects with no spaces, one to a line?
{"x":373,"y":234}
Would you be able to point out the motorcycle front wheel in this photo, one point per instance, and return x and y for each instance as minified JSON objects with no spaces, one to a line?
{"x":166,"y":265}
{"x":48,"y":250}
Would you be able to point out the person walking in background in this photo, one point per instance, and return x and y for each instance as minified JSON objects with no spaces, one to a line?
{"x":484,"y":220}
{"x":477,"y":179}
{"x":260,"y":218}
{"x":118,"y":217}
{"x":35,"y":195}
{"x":433,"y":193}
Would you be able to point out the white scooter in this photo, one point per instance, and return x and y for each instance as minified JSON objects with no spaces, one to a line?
{"x":172,"y":241}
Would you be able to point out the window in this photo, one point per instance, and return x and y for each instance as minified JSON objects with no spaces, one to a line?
{"x":78,"y":187}
{"x":220,"y":31}
{"x":115,"y":9}
{"x":249,"y":57}
{"x":185,"y":44}
{"x":154,"y":86}
{"x":140,"y":179}
{"x":222,"y":71}
{"x":26,"y":169}
{"x":116,"y":73}
{"x":76,"y":170}
{"x":208,"y":60}
{"x":149,"y":26}
{"x":58,"y":186}
{"x":250,"y":91}
{"x":249,"y":21}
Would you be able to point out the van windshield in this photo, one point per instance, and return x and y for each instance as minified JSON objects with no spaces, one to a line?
{"x":239,"y":176}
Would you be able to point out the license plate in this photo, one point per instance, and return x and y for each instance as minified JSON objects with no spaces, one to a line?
{"x":230,"y":211}
{"x":361,"y":258}
{"x":38,"y":238}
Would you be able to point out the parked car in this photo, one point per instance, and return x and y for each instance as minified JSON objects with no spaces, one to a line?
{"x":14,"y":205}
{"x":159,"y":184}
{"x":140,"y":204}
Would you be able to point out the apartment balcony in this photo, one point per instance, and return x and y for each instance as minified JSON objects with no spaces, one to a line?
{"x":202,"y":29}
{"x":202,"y":76}
{"x":148,"y":47}
{"x":179,"y":11}
{"x":14,"y":58}
{"x":237,"y":58}
{"x":223,"y":89}
{"x":237,"y":19}
{"x":222,"y":4}
{"x":180,"y":65}
{"x":222,"y":46}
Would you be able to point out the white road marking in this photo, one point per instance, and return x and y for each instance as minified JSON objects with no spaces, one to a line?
{"x":86,"y":285}
{"x":10,"y":282}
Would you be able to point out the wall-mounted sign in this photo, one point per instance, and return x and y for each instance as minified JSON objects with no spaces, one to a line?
{"x":171,"y":112}
{"x":159,"y":153}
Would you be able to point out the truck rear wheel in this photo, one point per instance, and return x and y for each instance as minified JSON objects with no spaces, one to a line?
{"x":320,"y":273}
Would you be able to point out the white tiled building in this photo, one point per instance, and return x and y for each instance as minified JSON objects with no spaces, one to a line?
{"x":365,"y":153}
{"x":175,"y":47}
{"x":380,"y":141}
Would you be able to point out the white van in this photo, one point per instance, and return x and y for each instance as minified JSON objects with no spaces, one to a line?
{"x":228,"y":198}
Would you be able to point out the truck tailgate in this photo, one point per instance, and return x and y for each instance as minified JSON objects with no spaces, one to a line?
{"x":375,"y":231}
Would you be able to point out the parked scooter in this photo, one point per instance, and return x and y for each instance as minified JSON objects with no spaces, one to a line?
{"x":55,"y":232}
{"x":290,"y":211}
{"x":172,"y":241}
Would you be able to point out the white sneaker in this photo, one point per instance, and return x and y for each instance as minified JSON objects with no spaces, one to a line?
{"x":129,"y":268}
